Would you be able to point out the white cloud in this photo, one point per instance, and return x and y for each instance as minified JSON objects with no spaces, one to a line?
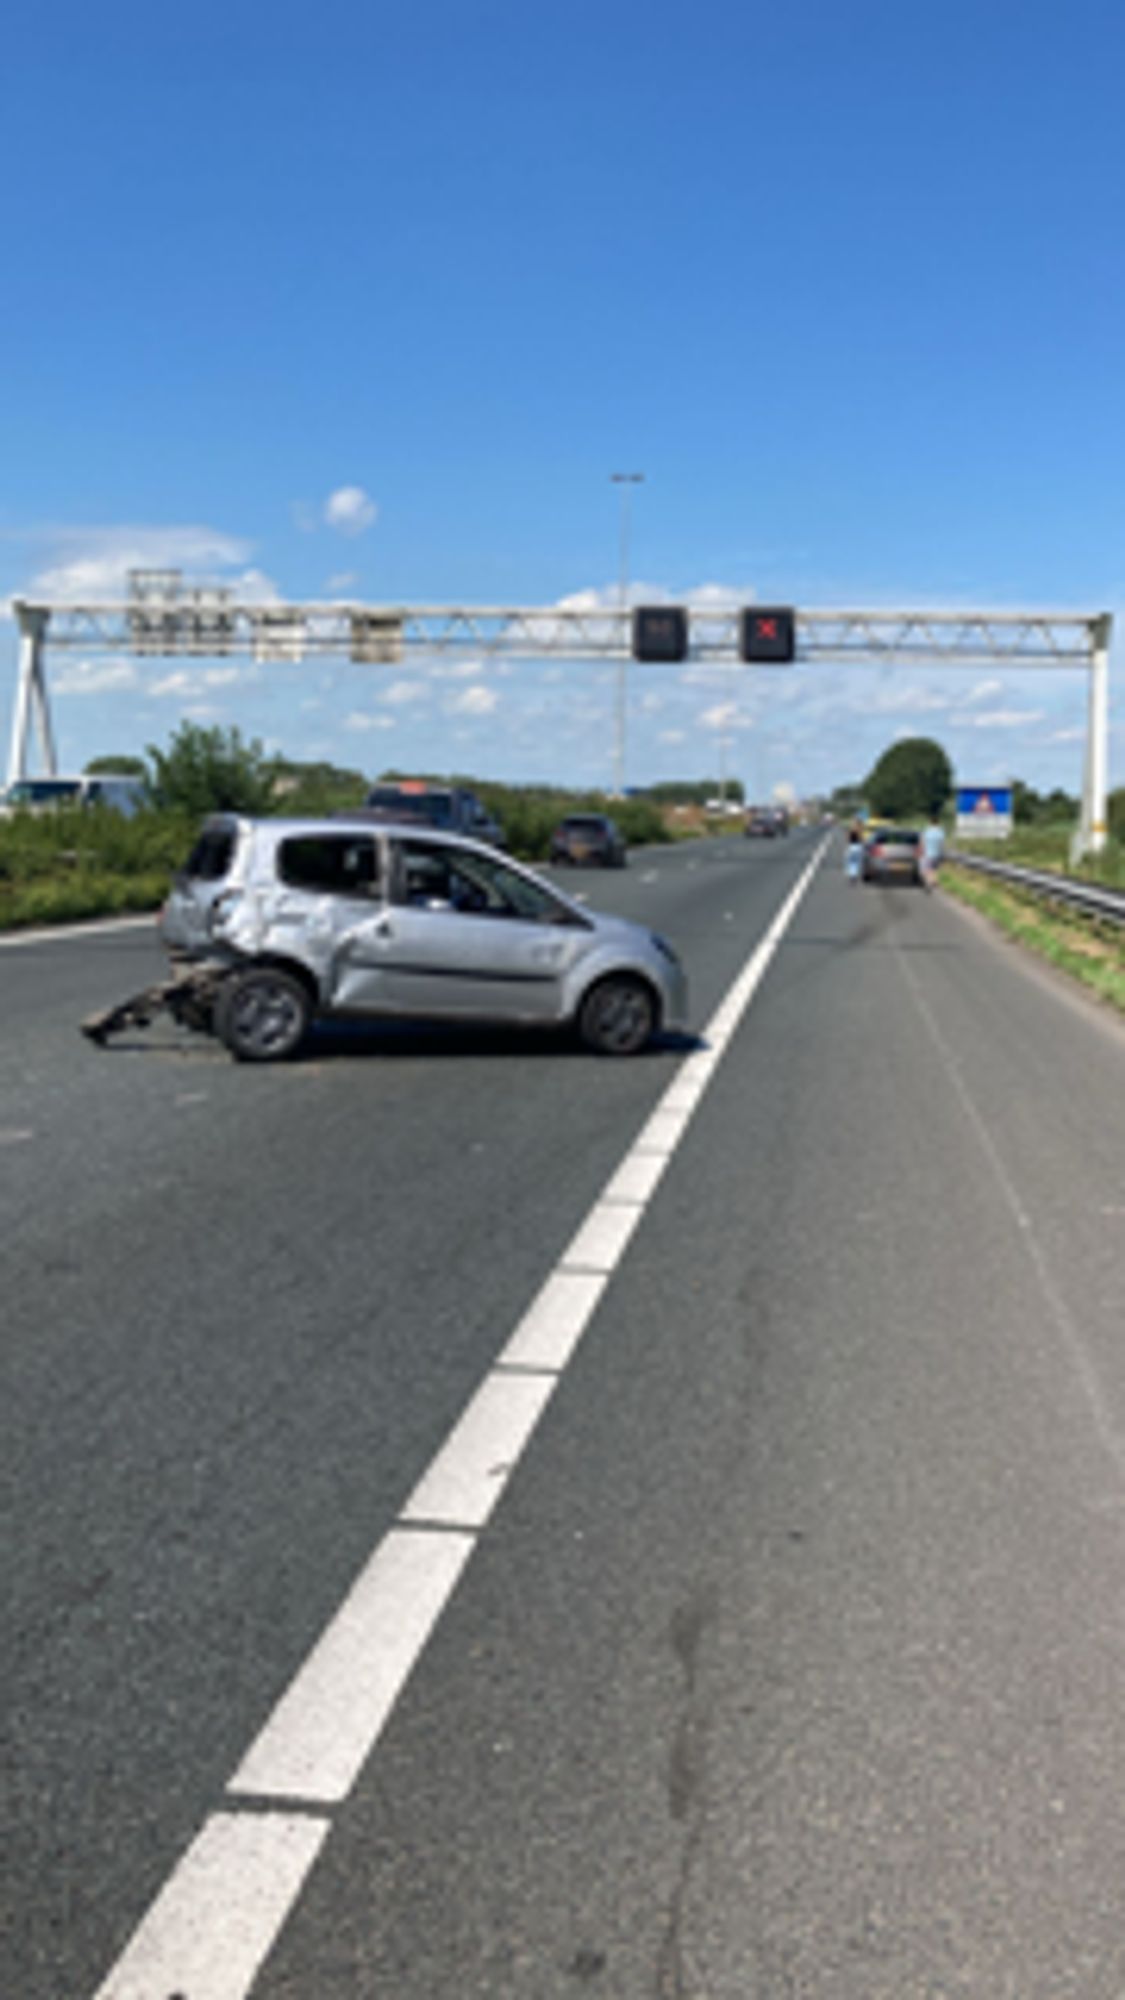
{"x":94,"y":563}
{"x":672,"y":736}
{"x":900,"y":701}
{"x":95,"y":677}
{"x":722,"y":716}
{"x":984,"y":690}
{"x":253,"y":586}
{"x":345,"y":579}
{"x":350,"y":510}
{"x":188,"y":682}
{"x":1067,"y":736}
{"x":359,"y":720}
{"x":998,"y":718}
{"x":474,"y":701}
{"x":406,"y":691}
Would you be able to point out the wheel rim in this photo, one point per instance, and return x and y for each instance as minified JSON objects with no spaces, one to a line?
{"x":267,"y":1017}
{"x":621,"y":1018}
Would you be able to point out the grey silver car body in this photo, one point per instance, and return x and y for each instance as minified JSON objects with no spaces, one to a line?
{"x":380,"y":932}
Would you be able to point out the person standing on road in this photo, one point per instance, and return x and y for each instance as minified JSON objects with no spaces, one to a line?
{"x":933,"y":848}
{"x":853,"y":857}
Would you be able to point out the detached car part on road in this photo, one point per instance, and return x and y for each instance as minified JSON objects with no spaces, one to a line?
{"x":274,"y":924}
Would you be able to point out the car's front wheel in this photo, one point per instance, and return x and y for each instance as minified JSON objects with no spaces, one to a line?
{"x":262,"y":1014}
{"x":617,"y":1017}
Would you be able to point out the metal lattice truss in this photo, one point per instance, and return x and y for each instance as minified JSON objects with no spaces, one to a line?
{"x":214,"y":624}
{"x":163,"y":616}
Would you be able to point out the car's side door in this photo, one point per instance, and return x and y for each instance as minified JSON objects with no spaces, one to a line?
{"x":326,"y":910}
{"x":474,"y":937}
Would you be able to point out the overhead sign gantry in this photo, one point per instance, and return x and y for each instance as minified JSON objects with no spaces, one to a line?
{"x":163,"y":615}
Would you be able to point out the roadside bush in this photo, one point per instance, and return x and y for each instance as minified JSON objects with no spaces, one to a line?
{"x":61,"y":865}
{"x":211,"y":770}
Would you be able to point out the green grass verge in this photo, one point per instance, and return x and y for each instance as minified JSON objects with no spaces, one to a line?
{"x":1089,"y":952}
{"x":1048,"y":847}
{"x":84,"y":893}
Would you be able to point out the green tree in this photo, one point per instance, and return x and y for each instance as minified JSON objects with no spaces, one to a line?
{"x":1117,"y":813}
{"x":911,"y":779}
{"x":132,"y":767}
{"x":210,"y":770}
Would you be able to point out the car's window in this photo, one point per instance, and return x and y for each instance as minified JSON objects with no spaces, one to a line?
{"x":586,"y":823}
{"x":211,"y":856}
{"x":898,"y":836}
{"x":329,"y":864}
{"x":42,"y":791}
{"x":446,"y":878}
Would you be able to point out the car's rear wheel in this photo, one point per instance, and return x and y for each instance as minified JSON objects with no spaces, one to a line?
{"x":617,"y":1017}
{"x":262,"y":1014}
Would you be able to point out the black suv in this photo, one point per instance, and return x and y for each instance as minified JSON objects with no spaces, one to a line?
{"x":590,"y":838}
{"x":445,"y":808}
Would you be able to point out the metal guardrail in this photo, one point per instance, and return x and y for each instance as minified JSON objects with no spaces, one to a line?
{"x":1092,"y":898}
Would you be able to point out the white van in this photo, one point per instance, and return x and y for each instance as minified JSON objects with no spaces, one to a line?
{"x":121,"y":791}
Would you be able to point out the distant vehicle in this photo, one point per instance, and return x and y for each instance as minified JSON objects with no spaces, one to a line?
{"x":283,"y":922}
{"x":446,"y":808}
{"x":588,"y":838}
{"x":119,"y":791}
{"x":892,"y":854}
{"x":766,"y":822}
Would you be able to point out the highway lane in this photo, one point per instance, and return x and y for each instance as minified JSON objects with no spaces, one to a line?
{"x":791,"y":1660}
{"x":242,"y":1309}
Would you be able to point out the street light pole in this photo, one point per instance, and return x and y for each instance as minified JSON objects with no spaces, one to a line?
{"x":626,"y":482}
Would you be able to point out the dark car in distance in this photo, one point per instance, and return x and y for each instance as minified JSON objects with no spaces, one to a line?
{"x":443,"y":808}
{"x":766,"y":822}
{"x":588,"y":840}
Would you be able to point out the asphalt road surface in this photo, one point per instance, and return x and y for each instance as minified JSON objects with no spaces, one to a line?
{"x":486,"y":1520}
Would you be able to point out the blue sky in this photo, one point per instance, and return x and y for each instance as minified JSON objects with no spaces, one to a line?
{"x":846,"y":282}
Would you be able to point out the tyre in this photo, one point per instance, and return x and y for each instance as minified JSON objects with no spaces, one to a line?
{"x":262,"y":1014}
{"x":617,"y":1017}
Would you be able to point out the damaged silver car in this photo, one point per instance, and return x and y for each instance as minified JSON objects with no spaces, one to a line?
{"x":274,"y":923}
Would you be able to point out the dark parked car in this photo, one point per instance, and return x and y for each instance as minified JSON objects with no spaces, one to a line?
{"x":445,"y":808}
{"x":892,"y":855}
{"x":588,"y":839}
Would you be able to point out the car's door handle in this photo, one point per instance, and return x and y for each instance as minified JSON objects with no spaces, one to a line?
{"x":384,"y":928}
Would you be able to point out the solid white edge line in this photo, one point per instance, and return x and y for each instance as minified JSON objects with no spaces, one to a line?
{"x":217,"y":1915}
{"x":10,"y":938}
{"x":329,"y":1717}
{"x":327,"y":1722}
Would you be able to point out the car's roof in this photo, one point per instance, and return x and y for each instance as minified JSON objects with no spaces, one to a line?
{"x":357,"y":821}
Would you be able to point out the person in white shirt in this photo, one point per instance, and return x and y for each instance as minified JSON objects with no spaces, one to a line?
{"x":933,"y":848}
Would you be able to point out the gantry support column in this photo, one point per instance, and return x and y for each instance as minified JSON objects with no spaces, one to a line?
{"x":1093,"y":827}
{"x":31,"y":695}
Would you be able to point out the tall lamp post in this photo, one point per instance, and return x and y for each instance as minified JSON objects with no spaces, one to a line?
{"x":625,"y":482}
